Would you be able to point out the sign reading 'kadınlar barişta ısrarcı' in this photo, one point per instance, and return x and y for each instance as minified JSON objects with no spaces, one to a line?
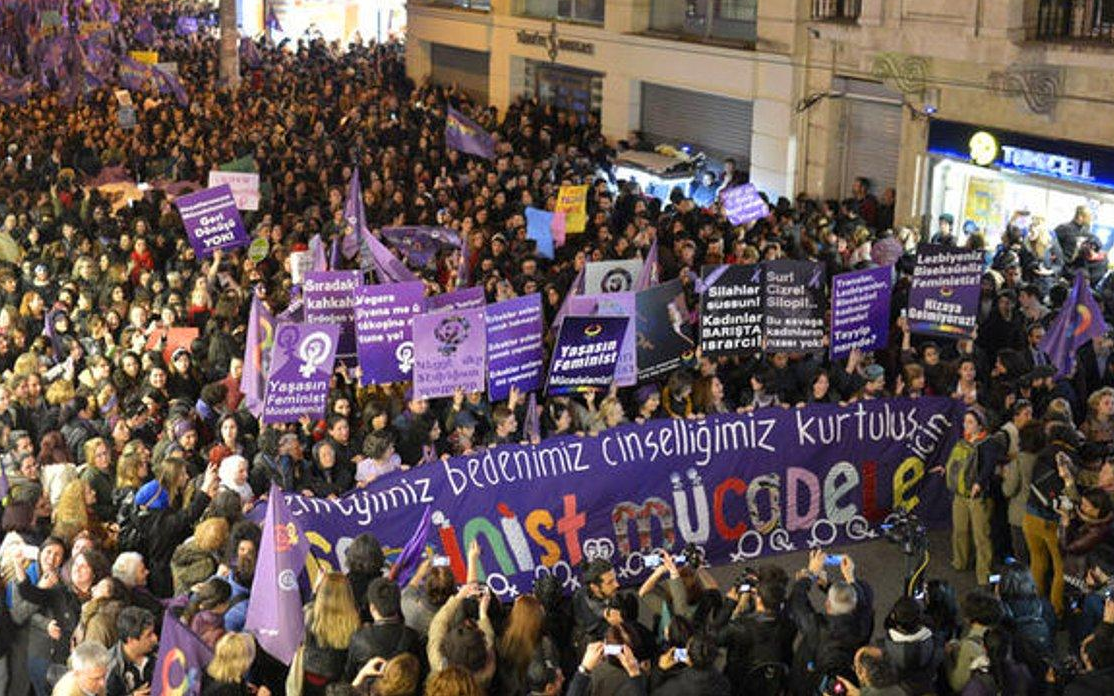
{"x":738,"y":486}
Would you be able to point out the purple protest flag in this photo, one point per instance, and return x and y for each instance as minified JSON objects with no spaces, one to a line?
{"x":419,"y":244}
{"x":649,"y":274}
{"x":354,"y":215}
{"x":1079,"y":321}
{"x":272,"y":21}
{"x":577,"y":288}
{"x":257,"y":355}
{"x":169,"y":84}
{"x":317,"y":251}
{"x":5,"y":485}
{"x":335,"y":259}
{"x":388,"y":267}
{"x":531,"y":422}
{"x":145,"y":31}
{"x":186,"y":26}
{"x":464,"y":134}
{"x":411,"y":555}
{"x":133,"y":74}
{"x":275,"y":608}
{"x":465,"y":298}
{"x":182,"y":659}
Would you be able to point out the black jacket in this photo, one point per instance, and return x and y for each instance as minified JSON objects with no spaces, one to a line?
{"x":828,"y":643}
{"x":689,"y":681}
{"x":166,"y":529}
{"x":754,"y":639}
{"x":916,"y":657}
{"x":385,"y":639}
{"x":1091,"y":684}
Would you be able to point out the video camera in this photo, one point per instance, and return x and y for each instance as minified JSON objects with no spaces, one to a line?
{"x":906,"y":530}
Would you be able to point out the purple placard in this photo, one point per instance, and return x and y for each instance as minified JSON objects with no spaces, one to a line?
{"x":384,"y":335}
{"x":614,"y":304}
{"x":861,"y":310}
{"x":187,"y":25}
{"x":944,"y":296}
{"x":301,"y":367}
{"x":329,"y":296}
{"x":449,"y":350}
{"x":743,"y":205}
{"x":586,"y":354}
{"x":515,"y":355}
{"x":466,"y":298}
{"x":211,"y":220}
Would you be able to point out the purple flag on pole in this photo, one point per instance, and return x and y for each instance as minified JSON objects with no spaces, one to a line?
{"x":601,"y":338}
{"x":257,"y":355}
{"x":133,"y":74}
{"x":317,"y":251}
{"x":649,"y":274}
{"x":860,"y":310}
{"x":419,"y":244}
{"x":302,"y":363}
{"x":743,"y":205}
{"x":212,"y":220}
{"x":169,"y":84}
{"x":181,"y":661}
{"x":449,"y":349}
{"x":411,"y":555}
{"x":384,"y":334}
{"x":275,"y":609}
{"x":464,"y":134}
{"x":273,"y":21}
{"x":388,"y":267}
{"x":515,"y":354}
{"x":531,"y":423}
{"x":335,"y":259}
{"x":186,"y":26}
{"x":353,"y":215}
{"x":1080,"y":320}
{"x":145,"y":31}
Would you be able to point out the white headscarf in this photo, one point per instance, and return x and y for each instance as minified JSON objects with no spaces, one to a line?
{"x":229,"y":466}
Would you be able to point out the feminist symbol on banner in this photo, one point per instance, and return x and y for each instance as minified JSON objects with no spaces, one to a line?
{"x":617,"y":280}
{"x":187,"y":677}
{"x":314,"y":351}
{"x":451,"y":332}
{"x":404,"y":354}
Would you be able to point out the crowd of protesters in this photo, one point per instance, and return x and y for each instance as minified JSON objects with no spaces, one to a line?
{"x":129,"y":472}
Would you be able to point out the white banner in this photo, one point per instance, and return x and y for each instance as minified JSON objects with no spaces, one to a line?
{"x":245,"y":187}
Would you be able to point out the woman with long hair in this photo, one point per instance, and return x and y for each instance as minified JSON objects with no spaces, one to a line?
{"x":72,"y":514}
{"x":132,"y":471}
{"x":398,"y":676}
{"x":227,"y":673}
{"x":452,"y":681}
{"x":333,"y":619}
{"x":522,"y":642}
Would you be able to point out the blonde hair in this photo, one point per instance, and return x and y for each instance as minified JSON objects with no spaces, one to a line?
{"x":127,"y":468}
{"x":89,"y":449}
{"x":452,"y":681}
{"x":60,"y":392}
{"x":71,"y":514}
{"x":232,"y":656}
{"x":1094,"y":399}
{"x":211,"y":534}
{"x":400,"y":676}
{"x":334,"y":617}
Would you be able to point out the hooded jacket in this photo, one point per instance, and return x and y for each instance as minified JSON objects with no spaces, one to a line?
{"x":916,"y":656}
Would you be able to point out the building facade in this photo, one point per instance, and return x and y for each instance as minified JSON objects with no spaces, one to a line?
{"x":714,"y":75}
{"x":986,"y":110}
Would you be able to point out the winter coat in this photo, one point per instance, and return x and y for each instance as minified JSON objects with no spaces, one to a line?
{"x":166,"y":529}
{"x":381,"y":639}
{"x":916,"y":657}
{"x":706,"y":682}
{"x":190,"y":565}
{"x":828,"y":643}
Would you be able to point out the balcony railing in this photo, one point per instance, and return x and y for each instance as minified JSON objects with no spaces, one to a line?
{"x":1076,"y":20}
{"x":835,"y":10}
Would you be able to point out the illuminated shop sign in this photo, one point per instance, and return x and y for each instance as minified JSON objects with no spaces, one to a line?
{"x":1026,"y":154}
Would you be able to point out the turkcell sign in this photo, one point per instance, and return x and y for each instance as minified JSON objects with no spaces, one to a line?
{"x":1049,"y":163}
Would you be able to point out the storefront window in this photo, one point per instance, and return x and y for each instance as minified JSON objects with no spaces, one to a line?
{"x":571,"y":10}
{"x":726,"y":20}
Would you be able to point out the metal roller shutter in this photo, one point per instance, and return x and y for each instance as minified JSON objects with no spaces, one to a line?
{"x":871,"y":133}
{"x":469,"y":69}
{"x":719,"y":126}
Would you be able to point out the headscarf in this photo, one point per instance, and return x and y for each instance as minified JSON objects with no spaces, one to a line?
{"x":227,"y":473}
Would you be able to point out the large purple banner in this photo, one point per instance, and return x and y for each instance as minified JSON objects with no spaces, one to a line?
{"x":944,"y":297}
{"x":586,"y":355}
{"x":861,"y":310}
{"x":614,"y":304}
{"x":449,"y":351}
{"x":329,"y":296}
{"x":301,"y":366}
{"x":212,"y":220}
{"x":515,"y":354}
{"x":384,"y":336}
{"x":738,"y":486}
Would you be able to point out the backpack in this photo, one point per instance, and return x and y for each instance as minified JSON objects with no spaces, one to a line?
{"x":132,"y":535}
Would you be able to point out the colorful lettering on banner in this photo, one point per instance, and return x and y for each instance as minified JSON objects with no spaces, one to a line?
{"x":738,"y":486}
{"x":861,"y":310}
{"x":944,"y":295}
{"x":302,"y":362}
{"x":573,"y":202}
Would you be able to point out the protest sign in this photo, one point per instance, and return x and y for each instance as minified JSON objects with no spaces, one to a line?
{"x":731,"y":310}
{"x":328,"y":297}
{"x":573,"y":202}
{"x":464,"y":134}
{"x":794,"y":306}
{"x":244,"y":185}
{"x":301,"y":367}
{"x":739,"y":486}
{"x":181,"y":660}
{"x":539,"y":227}
{"x":586,"y":354}
{"x":743,"y":205}
{"x":465,"y":298}
{"x":187,"y":25}
{"x":145,"y":57}
{"x":211,"y":220}
{"x":944,"y":296}
{"x":616,"y":304}
{"x":419,"y":244}
{"x":861,"y":310}
{"x":611,"y":276}
{"x":259,"y":248}
{"x":515,"y":354}
{"x":449,"y":351}
{"x":301,"y":263}
{"x":384,"y":335}
{"x":664,"y":331}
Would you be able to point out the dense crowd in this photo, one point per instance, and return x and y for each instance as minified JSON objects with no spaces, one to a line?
{"x":129,"y":471}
